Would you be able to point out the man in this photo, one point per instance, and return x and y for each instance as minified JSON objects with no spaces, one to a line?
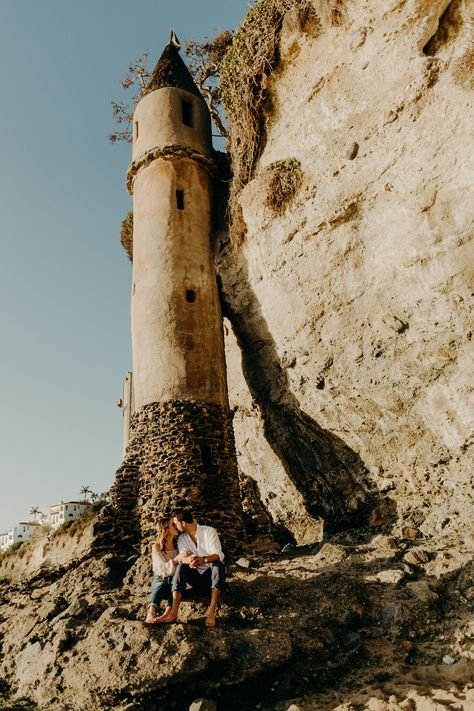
{"x":201,"y":564}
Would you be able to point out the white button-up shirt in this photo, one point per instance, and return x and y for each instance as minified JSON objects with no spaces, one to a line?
{"x":207,"y":543}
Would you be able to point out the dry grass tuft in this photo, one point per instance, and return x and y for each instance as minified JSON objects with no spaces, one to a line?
{"x":14,"y":549}
{"x":285,"y":179}
{"x":463,"y":70}
{"x":126,"y":235}
{"x":248,"y":64}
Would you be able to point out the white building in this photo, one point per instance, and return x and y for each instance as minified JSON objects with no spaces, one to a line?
{"x":18,"y":534}
{"x":66,"y":511}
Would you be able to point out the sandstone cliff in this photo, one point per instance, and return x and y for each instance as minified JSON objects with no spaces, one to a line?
{"x":351,"y":294}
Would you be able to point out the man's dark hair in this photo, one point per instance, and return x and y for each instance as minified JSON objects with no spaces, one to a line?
{"x":185,"y":515}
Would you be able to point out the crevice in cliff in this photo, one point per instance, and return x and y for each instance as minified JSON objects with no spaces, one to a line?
{"x":448,"y":29}
{"x":329,"y":475}
{"x":258,"y":521}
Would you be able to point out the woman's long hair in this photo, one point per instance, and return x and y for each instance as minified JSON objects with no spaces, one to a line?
{"x":162,"y":530}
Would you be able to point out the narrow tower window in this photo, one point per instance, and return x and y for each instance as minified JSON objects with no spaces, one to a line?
{"x":190,"y":296}
{"x":136,"y":130}
{"x":206,"y":455}
{"x":187,"y":113}
{"x":180,"y":199}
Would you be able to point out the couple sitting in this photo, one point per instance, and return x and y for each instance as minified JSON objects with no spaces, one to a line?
{"x":197,"y":561}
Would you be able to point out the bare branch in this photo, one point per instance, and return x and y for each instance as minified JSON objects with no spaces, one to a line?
{"x":122,"y":111}
{"x":204,"y":60}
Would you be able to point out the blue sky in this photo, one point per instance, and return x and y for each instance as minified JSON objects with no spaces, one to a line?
{"x":64,"y":278}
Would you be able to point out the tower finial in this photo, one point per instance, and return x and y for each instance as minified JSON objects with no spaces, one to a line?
{"x":174,"y":40}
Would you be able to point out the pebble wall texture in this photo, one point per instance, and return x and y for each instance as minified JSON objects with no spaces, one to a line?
{"x":181,"y":454}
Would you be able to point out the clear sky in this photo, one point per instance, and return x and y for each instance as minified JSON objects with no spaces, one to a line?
{"x":64,"y":278}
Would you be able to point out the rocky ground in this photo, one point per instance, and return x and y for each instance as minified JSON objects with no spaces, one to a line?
{"x":363,"y":620}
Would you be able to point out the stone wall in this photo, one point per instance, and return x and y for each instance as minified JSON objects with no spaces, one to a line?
{"x":181,"y":454}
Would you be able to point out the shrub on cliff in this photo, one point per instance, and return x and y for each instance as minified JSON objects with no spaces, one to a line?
{"x":285,"y":179}
{"x":126,"y":235}
{"x":11,"y":550}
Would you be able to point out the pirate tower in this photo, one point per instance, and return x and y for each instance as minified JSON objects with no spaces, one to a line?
{"x":181,"y":448}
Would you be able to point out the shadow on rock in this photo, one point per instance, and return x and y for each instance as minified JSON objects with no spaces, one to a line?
{"x":330,"y":475}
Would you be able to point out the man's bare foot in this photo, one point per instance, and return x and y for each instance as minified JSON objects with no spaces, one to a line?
{"x":210,"y":620}
{"x":167,"y":617}
{"x":162,"y":618}
{"x":166,"y":613}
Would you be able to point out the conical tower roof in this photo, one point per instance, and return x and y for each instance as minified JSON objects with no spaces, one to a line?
{"x":172,"y":71}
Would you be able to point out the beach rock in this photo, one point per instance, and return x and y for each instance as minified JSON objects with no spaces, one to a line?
{"x":392,"y":577}
{"x":243,"y":563}
{"x":203,"y":705}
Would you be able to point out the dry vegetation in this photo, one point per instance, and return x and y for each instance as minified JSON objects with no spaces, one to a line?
{"x":126,"y":235}
{"x":247,"y":66}
{"x":136,"y":79}
{"x":205,"y":61}
{"x":20,"y":549}
{"x":285,"y":179}
{"x":15,"y":549}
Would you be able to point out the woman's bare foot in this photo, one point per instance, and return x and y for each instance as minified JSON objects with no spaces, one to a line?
{"x":151,"y":615}
{"x":165,"y":614}
{"x":166,"y":619}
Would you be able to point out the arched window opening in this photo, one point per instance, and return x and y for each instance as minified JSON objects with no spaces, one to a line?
{"x":188,"y":118}
{"x":206,"y":455}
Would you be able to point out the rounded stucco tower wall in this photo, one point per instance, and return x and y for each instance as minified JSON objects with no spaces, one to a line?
{"x":177,"y":339}
{"x":162,"y":118}
{"x":181,"y":451}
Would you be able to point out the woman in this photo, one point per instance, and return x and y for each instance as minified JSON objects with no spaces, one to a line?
{"x":164,"y":555}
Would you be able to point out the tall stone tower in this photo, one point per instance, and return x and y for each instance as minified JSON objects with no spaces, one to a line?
{"x":181,"y":446}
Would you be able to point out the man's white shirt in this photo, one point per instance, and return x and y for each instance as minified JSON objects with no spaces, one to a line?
{"x":207,"y":543}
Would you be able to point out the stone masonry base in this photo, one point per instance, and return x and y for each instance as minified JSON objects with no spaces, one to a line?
{"x":180,"y":455}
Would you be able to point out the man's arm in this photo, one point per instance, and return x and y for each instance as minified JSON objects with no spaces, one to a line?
{"x":184,"y":554}
{"x":213,"y":545}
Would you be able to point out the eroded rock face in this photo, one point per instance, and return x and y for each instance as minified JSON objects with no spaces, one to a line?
{"x":47,"y":550}
{"x":353,"y":306}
